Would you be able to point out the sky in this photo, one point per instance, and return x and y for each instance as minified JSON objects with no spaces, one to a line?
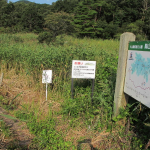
{"x":38,"y":1}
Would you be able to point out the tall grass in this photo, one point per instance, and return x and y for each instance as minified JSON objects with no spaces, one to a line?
{"x":16,"y":52}
{"x":23,"y":53}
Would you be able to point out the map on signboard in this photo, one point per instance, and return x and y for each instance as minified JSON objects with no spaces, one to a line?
{"x":47,"y":76}
{"x":137,"y":80}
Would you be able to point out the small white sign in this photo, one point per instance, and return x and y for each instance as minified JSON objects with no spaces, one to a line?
{"x":83,"y":69}
{"x":47,"y":76}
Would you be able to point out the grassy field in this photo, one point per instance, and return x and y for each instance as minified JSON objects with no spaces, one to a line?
{"x":62,"y":122}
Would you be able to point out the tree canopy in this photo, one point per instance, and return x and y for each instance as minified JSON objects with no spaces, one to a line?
{"x":93,"y":18}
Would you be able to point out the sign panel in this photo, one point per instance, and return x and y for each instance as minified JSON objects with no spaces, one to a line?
{"x":137,"y":80}
{"x":83,"y":69}
{"x":47,"y":76}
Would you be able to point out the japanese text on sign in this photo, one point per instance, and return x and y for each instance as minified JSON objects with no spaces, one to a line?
{"x":83,"y":69}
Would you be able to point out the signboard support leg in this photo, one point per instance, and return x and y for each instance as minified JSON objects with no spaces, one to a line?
{"x":92,"y":90}
{"x":72,"y":88}
{"x":46,"y":91}
{"x":120,"y":98}
{"x":1,"y":79}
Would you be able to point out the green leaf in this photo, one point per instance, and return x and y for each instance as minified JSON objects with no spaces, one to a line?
{"x":9,"y":117}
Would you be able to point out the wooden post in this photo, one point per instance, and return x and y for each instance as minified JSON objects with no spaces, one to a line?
{"x":120,"y":98}
{"x":1,"y":79}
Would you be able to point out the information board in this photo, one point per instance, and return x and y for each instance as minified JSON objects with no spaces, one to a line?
{"x":83,"y":69}
{"x":137,"y":80}
{"x":47,"y":76}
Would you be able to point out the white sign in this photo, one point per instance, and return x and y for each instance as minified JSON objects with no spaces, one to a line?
{"x":47,"y":76}
{"x":83,"y":69}
{"x":137,"y":80}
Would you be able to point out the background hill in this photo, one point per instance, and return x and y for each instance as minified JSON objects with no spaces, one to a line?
{"x":23,"y":1}
{"x":104,"y":19}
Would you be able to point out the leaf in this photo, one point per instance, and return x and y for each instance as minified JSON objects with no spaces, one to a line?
{"x":115,"y":119}
{"x":15,"y":97}
{"x":9,"y":117}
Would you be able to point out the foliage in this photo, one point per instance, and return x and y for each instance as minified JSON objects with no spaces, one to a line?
{"x":25,"y":55}
{"x":31,"y":19}
{"x":46,"y":135}
{"x":6,"y":11}
{"x":23,"y":1}
{"x":67,"y":6}
{"x":4,"y":129}
{"x":136,"y":28}
{"x":59,"y":23}
{"x":104,"y":19}
{"x":56,"y":24}
{"x":138,"y":117}
{"x":83,"y":20}
{"x":45,"y":36}
{"x":21,"y":17}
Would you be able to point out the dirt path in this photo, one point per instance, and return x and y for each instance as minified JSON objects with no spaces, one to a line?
{"x":18,"y":130}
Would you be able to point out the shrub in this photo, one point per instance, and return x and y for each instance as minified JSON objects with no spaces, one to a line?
{"x":46,"y":37}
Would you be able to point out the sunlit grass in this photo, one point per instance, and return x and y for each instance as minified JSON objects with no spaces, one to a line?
{"x":22,"y":56}
{"x":110,"y":46}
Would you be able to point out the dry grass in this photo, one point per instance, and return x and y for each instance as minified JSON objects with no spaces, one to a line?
{"x":80,"y":136}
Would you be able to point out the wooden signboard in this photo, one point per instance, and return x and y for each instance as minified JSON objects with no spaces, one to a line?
{"x":137,"y":79}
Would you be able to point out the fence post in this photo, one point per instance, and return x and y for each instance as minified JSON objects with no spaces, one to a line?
{"x":120,"y":98}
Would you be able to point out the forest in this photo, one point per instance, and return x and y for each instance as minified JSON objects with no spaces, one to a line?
{"x":105,"y":19}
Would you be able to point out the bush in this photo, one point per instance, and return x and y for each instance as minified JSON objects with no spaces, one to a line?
{"x":46,"y":37}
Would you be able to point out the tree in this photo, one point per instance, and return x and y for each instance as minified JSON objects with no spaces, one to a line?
{"x":84,"y":19}
{"x":67,"y":6}
{"x":43,"y":9}
{"x":59,"y":23}
{"x":31,"y":18}
{"x":56,"y":24}
{"x":23,"y":1}
{"x":6,"y":11}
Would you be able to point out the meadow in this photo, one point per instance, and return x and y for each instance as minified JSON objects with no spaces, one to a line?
{"x":62,"y":122}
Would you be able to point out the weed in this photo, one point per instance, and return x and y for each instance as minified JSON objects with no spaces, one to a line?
{"x":30,"y":58}
{"x":4,"y":129}
{"x":46,"y":135}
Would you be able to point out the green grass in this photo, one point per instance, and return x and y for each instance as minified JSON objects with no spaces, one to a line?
{"x":23,"y":53}
{"x":4,"y":129}
{"x":33,"y":58}
{"x":47,"y":137}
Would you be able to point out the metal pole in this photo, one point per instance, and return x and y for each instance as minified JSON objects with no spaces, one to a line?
{"x":46,"y":91}
{"x":72,"y":88}
{"x":92,"y":93}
